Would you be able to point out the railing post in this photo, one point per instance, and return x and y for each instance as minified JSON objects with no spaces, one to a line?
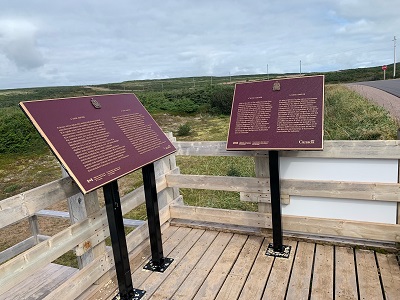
{"x":34,"y":225}
{"x":164,"y":166}
{"x":80,"y":207}
{"x":261,"y":166}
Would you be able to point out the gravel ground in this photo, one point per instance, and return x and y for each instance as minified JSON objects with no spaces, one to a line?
{"x":390,"y":102}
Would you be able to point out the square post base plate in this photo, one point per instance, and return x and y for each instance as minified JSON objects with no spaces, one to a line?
{"x":165,"y":263}
{"x":284,"y":253}
{"x":136,"y":294}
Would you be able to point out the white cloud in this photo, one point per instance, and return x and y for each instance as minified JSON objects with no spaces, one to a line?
{"x":18,"y":43}
{"x":86,"y":42}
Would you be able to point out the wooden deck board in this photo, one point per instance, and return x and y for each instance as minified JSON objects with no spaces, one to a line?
{"x":368,"y":277}
{"x":301,"y":274}
{"x":390,"y":272}
{"x":237,"y":277}
{"x":280,"y":274}
{"x":209,"y":264}
{"x":154,"y":279}
{"x":182,"y":268}
{"x":254,"y":286}
{"x":322,"y":285}
{"x":109,"y":289}
{"x":195,"y":279}
{"x":212,"y":284}
{"x":40,"y":284}
{"x":345,"y":274}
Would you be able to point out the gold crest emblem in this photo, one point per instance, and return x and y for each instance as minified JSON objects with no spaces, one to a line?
{"x":276,"y":86}
{"x":95,"y":103}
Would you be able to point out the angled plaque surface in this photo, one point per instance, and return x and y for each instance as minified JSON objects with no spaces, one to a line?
{"x":281,"y":114}
{"x":99,"y":138}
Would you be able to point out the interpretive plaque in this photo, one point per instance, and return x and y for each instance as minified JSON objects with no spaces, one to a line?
{"x":99,"y":138}
{"x":280,"y":114}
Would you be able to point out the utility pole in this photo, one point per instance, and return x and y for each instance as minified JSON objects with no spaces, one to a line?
{"x":267,"y":73}
{"x":300,"y":66}
{"x":394,"y":56}
{"x":194,"y":84}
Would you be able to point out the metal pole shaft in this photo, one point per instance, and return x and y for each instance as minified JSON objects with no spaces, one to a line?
{"x":275,"y":200}
{"x":118,"y":240}
{"x":153,"y":217}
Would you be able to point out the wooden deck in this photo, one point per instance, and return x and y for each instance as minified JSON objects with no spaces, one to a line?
{"x":40,"y":284}
{"x":220,"y":265}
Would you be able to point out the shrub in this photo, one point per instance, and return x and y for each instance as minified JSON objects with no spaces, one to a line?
{"x":233,"y":171}
{"x":221,"y":100}
{"x":184,"y":130}
{"x":17,"y":134}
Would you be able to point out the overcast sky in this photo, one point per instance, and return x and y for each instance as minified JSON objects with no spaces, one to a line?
{"x":48,"y":43}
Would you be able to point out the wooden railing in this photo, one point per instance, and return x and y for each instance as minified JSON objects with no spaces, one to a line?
{"x":89,"y":229}
{"x":256,"y":190}
{"x":86,"y":236}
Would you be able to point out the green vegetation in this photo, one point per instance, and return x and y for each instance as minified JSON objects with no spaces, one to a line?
{"x":191,"y":108}
{"x":184,"y":130}
{"x":348,"y":116}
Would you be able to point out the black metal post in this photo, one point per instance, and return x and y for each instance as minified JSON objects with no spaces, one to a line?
{"x":275,"y":200}
{"x":158,"y":262}
{"x":277,"y":248}
{"x":118,"y":240}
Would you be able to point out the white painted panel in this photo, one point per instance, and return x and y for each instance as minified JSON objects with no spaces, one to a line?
{"x":347,"y":209}
{"x":358,"y":170}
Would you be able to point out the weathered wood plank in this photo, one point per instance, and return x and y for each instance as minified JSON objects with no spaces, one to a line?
{"x":322,"y":284}
{"x":240,"y":270}
{"x":345,"y":274}
{"x":79,"y":207}
{"x":224,"y":183}
{"x":176,"y":249}
{"x":261,"y":168}
{"x":26,"y":204}
{"x":181,"y":269}
{"x":263,"y":200}
{"x":300,"y":279}
{"x":342,"y":228}
{"x":17,"y":249}
{"x":260,"y":192}
{"x":22,"y":266}
{"x":279,"y":278}
{"x":40,"y":283}
{"x":330,"y":227}
{"x":390,"y":274}
{"x":207,"y":149}
{"x":194,"y":280}
{"x":137,"y":258}
{"x":65,"y":215}
{"x":368,"y":278}
{"x":342,"y":189}
{"x":226,"y":216}
{"x":217,"y":276}
{"x":257,"y":279}
{"x":389,"y":149}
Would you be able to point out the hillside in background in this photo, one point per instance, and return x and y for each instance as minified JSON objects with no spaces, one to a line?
{"x":175,"y":96}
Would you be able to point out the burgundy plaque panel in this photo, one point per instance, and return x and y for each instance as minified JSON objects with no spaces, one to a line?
{"x":99,"y":138}
{"x":281,"y":114}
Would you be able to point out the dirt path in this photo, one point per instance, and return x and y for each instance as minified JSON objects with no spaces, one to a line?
{"x":388,"y":101}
